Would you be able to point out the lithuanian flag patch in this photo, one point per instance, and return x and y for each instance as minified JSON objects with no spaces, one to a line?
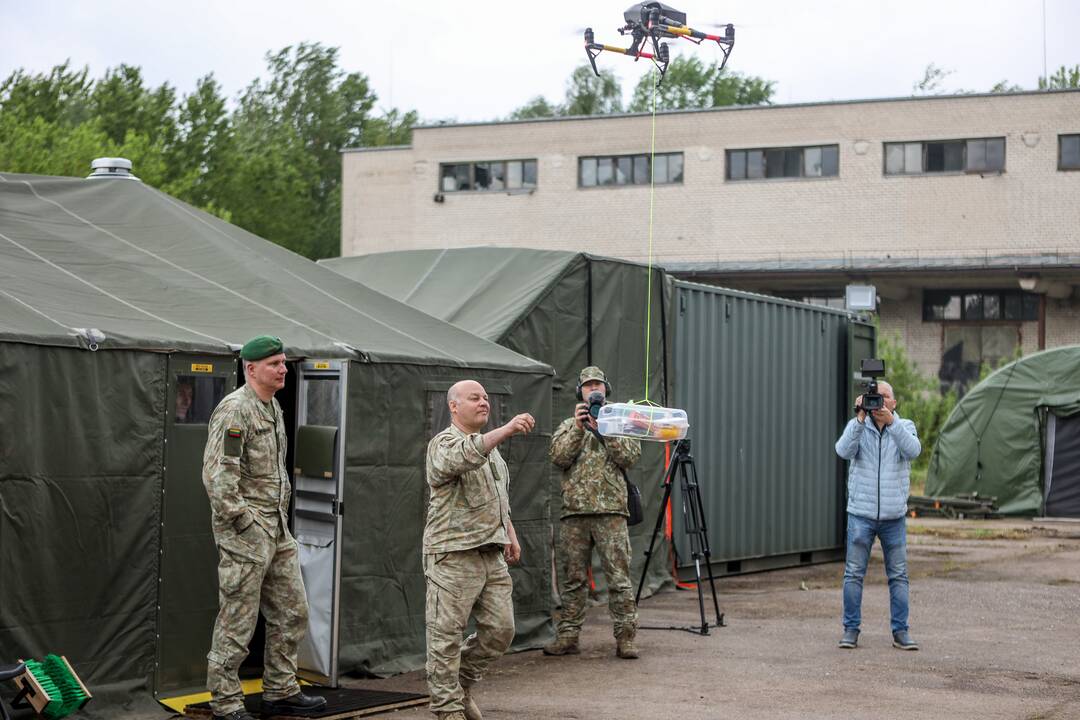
{"x":234,"y":444}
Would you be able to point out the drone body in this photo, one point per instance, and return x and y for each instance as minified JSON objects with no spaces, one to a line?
{"x":651,"y":21}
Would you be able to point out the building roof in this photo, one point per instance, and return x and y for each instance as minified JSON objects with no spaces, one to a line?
{"x":118,"y":264}
{"x":728,"y":108}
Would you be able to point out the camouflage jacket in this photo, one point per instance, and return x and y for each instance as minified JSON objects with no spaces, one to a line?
{"x":470,"y":494}
{"x":591,"y":480}
{"x":244,"y":467}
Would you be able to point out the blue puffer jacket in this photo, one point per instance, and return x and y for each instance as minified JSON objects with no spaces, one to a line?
{"x":879,"y":476}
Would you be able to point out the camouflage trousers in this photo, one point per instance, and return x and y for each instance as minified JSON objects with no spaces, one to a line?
{"x":578,"y":535}
{"x":475,"y":582}
{"x":262,"y":572}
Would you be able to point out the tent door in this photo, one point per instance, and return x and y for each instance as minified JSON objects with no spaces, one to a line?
{"x":317,"y":509}
{"x":188,"y":600}
{"x":1061,"y":466}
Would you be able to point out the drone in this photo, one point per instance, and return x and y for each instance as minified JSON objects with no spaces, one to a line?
{"x":653,"y":21}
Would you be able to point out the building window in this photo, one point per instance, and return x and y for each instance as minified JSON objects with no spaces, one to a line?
{"x":1068,"y":152}
{"x":491,"y":175}
{"x":630,"y":170}
{"x":980,"y":155}
{"x":791,"y":162}
{"x":968,"y":347}
{"x":980,"y":306}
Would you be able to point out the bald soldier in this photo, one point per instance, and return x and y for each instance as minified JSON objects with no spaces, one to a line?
{"x":468,"y":541}
{"x":258,"y":563}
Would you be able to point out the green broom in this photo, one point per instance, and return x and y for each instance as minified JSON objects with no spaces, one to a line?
{"x":52,"y":688}
{"x":73,"y":693}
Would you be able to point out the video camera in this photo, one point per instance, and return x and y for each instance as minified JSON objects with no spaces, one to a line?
{"x":872,"y":400}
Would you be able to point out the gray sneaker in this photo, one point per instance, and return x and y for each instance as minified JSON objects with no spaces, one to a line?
{"x":850,"y":639}
{"x":902,"y":639}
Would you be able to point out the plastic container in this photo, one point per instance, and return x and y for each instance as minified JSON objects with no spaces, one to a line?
{"x":642,"y":422}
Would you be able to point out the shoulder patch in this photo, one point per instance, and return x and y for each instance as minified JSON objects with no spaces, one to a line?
{"x":234,"y":444}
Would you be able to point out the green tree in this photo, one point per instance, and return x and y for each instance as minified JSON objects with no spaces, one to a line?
{"x":1005,"y":87}
{"x":62,"y":96}
{"x":588,"y":94}
{"x":918,"y":397}
{"x":1062,"y":79}
{"x":122,"y":102}
{"x":393,"y":127}
{"x":308,"y":110}
{"x":538,"y":107}
{"x":690,"y":83}
{"x":200,"y":154}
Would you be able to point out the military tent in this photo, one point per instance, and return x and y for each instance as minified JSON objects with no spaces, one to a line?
{"x":569,"y":310}
{"x":727,"y":357}
{"x":1016,"y":437}
{"x":121,"y":310}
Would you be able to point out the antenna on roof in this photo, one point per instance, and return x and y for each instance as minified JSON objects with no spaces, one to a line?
{"x":111,"y":168}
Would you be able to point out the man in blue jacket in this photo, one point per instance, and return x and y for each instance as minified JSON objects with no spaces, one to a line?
{"x":880,"y":452}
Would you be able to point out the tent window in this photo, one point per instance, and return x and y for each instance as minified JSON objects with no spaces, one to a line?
{"x":323,"y":401}
{"x":196,"y":397}
{"x":439,"y":412}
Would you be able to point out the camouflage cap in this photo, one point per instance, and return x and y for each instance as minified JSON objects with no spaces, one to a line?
{"x":591,"y":373}
{"x":261,"y":347}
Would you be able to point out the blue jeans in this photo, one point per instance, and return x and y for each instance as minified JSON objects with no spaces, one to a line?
{"x":860,"y":538}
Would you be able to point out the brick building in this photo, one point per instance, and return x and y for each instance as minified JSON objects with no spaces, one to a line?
{"x":963,"y":211}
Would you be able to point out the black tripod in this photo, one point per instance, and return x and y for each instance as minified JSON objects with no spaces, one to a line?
{"x":693,"y":515}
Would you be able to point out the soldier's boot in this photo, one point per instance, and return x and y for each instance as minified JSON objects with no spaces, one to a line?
{"x":456,"y":715}
{"x":624,"y":644}
{"x":241,"y":714}
{"x":563,"y":645}
{"x":472,"y":712}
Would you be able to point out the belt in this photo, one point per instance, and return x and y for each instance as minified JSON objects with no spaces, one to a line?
{"x":490,"y":547}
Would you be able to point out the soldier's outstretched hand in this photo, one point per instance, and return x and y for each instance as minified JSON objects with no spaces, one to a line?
{"x":521,"y":424}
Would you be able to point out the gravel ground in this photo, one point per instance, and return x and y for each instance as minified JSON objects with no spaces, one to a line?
{"x":995,"y":607}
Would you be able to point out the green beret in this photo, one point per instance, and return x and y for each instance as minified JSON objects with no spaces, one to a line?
{"x":261,"y":347}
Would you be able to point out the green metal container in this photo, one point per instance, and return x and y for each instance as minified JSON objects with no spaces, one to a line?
{"x":767,"y":386}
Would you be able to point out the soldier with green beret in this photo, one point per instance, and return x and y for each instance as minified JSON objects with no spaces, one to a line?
{"x":594,"y":515}
{"x":258,"y":558}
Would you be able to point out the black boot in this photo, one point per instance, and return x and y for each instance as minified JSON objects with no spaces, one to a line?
{"x":240,"y":714}
{"x":293,"y":705}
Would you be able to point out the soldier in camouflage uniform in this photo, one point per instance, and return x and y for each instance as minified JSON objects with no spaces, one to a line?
{"x":594,"y":515}
{"x":245,"y":478}
{"x":468,"y":541}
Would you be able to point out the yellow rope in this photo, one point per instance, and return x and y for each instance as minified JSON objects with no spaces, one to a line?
{"x":652,"y":193}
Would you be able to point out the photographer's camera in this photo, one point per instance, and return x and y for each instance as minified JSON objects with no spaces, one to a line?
{"x":871,"y":400}
{"x":596,"y":401}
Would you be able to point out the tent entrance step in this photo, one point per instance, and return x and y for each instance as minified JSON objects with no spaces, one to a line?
{"x":341,"y":703}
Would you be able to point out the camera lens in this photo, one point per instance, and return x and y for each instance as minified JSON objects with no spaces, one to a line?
{"x":596,"y":401}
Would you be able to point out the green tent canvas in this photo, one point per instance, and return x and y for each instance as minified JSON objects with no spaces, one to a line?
{"x":568,"y":309}
{"x":108,"y":290}
{"x":994,"y":440}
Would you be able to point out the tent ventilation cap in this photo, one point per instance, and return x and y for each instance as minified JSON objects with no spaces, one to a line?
{"x":105,"y":167}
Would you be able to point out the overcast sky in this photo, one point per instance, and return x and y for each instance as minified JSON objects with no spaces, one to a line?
{"x":479,"y":60}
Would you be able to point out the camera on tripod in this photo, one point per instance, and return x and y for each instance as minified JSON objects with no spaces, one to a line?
{"x":871,"y":400}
